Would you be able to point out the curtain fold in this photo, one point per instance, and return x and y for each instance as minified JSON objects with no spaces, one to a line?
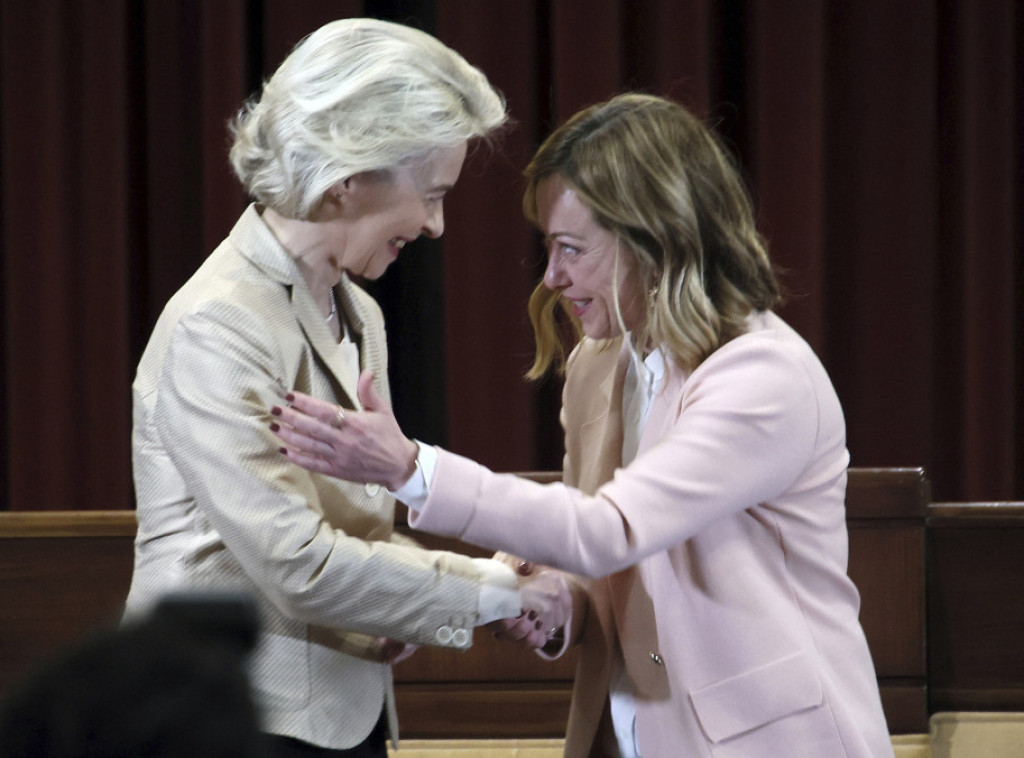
{"x":491,"y":255}
{"x":881,"y":225}
{"x":64,"y":242}
{"x":980,"y":217}
{"x":880,"y":139}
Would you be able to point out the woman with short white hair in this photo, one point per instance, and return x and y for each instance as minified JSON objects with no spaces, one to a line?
{"x":349,"y":152}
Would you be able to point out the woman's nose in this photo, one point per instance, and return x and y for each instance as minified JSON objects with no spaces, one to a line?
{"x":554,"y":275}
{"x":433,"y":226}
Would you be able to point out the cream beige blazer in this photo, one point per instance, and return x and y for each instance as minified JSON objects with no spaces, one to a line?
{"x":219,"y":506}
{"x":716,"y":560}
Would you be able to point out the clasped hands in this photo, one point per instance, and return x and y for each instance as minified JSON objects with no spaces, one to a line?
{"x":547,"y":604}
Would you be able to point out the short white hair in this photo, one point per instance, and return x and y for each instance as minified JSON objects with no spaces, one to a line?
{"x":356,"y":95}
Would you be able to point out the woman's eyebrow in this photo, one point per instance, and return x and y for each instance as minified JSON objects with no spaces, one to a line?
{"x":554,"y":235}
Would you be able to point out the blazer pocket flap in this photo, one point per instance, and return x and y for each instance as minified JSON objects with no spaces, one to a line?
{"x":757,"y":697}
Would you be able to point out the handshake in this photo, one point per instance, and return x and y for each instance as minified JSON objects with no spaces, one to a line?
{"x":547,"y":604}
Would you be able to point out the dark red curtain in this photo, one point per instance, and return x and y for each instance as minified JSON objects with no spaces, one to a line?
{"x":881,"y":141}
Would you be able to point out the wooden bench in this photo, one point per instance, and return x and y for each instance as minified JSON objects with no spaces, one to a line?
{"x":975,"y":573}
{"x":62,"y":573}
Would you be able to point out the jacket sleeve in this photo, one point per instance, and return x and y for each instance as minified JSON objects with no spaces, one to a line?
{"x":738,"y":435}
{"x":221,"y":374}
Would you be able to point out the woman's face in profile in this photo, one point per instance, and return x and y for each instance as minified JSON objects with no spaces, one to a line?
{"x":582,"y":262}
{"x":381,"y":212}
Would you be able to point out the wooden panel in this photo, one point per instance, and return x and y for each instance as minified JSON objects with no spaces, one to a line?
{"x":68,"y":524}
{"x":64,"y":572}
{"x":981,"y":515}
{"x":887,"y":493}
{"x":905,"y":705}
{"x":887,"y":565}
{"x":976,"y":606}
{"x":456,"y":711}
{"x":55,"y":589}
{"x":886,"y":519}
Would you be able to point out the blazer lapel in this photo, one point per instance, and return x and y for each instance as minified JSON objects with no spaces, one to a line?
{"x":664,"y":406}
{"x":600,"y":428}
{"x":355,"y":317}
{"x":320,"y":337}
{"x":254,"y":240}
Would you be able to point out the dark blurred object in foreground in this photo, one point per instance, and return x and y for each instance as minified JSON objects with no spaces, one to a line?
{"x":171,"y":684}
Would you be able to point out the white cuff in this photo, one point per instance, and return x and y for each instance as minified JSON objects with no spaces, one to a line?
{"x":414,"y":492}
{"x":499,"y":594}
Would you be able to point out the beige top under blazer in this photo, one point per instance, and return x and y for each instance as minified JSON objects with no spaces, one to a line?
{"x":219,"y":507}
{"x":716,"y":560}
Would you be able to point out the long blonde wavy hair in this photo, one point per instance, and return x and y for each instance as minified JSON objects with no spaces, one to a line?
{"x":660,"y":180}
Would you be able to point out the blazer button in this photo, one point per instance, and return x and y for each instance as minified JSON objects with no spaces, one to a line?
{"x":461,"y":638}
{"x":658,"y":660}
{"x":372,"y":489}
{"x":443,"y":635}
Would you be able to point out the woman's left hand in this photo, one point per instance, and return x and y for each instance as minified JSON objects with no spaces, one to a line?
{"x":547,"y":605}
{"x":359,"y":446}
{"x":396,"y":651}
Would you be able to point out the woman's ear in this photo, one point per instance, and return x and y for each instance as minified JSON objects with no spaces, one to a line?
{"x":340,"y":192}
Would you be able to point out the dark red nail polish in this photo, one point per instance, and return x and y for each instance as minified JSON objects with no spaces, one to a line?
{"x":533,"y":615}
{"x":276,"y":411}
{"x":289,"y":397}
{"x":283,"y":450}
{"x":274,"y":427}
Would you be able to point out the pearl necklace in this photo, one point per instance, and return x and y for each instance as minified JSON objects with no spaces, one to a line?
{"x":334,"y":307}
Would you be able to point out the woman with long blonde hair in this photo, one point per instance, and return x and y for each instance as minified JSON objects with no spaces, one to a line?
{"x":701,"y":522}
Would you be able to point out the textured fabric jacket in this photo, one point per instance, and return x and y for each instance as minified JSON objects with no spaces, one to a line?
{"x":220,"y":508}
{"x":716,"y":561}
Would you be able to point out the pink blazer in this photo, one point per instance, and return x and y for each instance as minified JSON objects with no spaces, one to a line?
{"x":716,"y":561}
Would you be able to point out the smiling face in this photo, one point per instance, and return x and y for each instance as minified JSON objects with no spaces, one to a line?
{"x":582,"y":262}
{"x":380,"y":212}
